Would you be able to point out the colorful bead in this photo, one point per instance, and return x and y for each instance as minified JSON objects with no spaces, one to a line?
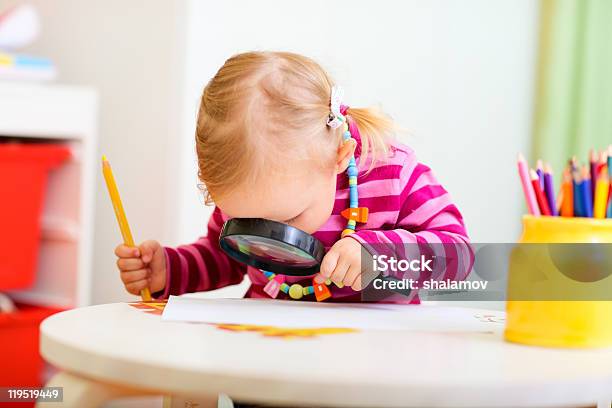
{"x":272,"y":288}
{"x":268,"y":275}
{"x":284,"y":287}
{"x":296,"y":291}
{"x":328,"y":282}
{"x":346,"y":232}
{"x":352,"y":171}
{"x":359,"y":214}
{"x":321,"y":291}
{"x":353,"y":181}
{"x":345,"y":127}
{"x":339,"y":284}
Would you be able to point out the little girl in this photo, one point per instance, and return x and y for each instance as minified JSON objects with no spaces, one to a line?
{"x":272,"y":143}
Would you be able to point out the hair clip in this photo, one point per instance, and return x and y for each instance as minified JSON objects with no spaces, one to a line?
{"x":335,"y":118}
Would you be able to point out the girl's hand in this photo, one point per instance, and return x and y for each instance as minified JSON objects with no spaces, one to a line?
{"x":142,"y":267}
{"x":342,"y":264}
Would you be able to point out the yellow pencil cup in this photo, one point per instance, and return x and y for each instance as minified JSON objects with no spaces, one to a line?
{"x":534,"y":315}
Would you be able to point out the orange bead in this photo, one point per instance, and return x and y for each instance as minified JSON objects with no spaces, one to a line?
{"x":359,"y":214}
{"x":321,"y":291}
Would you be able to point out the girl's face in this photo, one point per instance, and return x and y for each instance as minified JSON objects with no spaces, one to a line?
{"x":303,"y":199}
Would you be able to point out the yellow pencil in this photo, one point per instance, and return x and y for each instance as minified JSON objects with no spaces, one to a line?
{"x":601,"y":194}
{"x":145,"y":294}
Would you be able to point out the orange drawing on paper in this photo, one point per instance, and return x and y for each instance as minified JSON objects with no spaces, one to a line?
{"x":157,"y":308}
{"x":284,"y":332}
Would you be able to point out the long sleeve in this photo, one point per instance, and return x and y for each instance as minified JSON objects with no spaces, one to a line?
{"x":202,"y":265}
{"x":427,"y":223}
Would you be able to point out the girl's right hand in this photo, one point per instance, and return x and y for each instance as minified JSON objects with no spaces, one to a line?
{"x":142,"y":267}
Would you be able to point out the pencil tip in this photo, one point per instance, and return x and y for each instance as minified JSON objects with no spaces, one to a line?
{"x":586,"y":172}
{"x":533,"y":174}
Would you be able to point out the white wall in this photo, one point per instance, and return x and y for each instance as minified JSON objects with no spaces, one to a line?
{"x":131,"y":52}
{"x":457,"y":74}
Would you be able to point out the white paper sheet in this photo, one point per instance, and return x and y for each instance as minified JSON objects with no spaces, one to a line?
{"x":292,"y":314}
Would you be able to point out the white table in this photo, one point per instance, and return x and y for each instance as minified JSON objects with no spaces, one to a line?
{"x":99,"y":346}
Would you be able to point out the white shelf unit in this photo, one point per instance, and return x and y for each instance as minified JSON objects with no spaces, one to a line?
{"x":66,"y":115}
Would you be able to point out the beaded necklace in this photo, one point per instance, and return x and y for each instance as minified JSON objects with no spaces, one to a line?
{"x":353,"y":214}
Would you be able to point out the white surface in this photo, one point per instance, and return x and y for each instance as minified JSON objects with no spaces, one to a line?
{"x":288,"y":313}
{"x":118,"y":343}
{"x":457,"y":75}
{"x":66,"y":115}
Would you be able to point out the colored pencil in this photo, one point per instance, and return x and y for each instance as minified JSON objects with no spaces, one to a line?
{"x":567,"y":206}
{"x":573,"y":163}
{"x":593,"y":162}
{"x":540,"y":197}
{"x":559,"y":200}
{"x":113,"y":191}
{"x":549,"y":189}
{"x":530,"y":197}
{"x":585,"y":191}
{"x":577,"y":190}
{"x":609,"y":163}
{"x":587,"y":198}
{"x":540,"y":172}
{"x":602,"y":188}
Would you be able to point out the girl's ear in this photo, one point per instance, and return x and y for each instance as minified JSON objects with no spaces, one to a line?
{"x":345,"y":152}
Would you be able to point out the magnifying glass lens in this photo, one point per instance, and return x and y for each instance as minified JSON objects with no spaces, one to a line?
{"x":267,"y":250}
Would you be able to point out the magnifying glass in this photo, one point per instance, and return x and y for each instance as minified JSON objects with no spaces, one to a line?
{"x":272,"y":246}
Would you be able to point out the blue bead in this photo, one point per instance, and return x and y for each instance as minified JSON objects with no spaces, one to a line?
{"x":267,"y":274}
{"x":352,"y":171}
{"x":352,"y":161}
{"x":353,"y":194}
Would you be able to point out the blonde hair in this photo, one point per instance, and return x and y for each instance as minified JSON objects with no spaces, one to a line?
{"x":262,"y":104}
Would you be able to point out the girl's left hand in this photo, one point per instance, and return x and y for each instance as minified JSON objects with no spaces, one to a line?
{"x":342,"y":264}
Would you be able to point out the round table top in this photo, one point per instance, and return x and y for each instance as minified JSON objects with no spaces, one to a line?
{"x":121,"y":344}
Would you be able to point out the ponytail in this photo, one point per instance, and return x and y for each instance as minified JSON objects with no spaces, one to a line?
{"x":375,"y":128}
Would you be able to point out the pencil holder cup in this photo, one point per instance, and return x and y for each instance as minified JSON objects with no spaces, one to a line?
{"x":558,"y":293}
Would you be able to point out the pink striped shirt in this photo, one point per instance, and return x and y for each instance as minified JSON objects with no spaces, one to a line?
{"x":406,"y":205}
